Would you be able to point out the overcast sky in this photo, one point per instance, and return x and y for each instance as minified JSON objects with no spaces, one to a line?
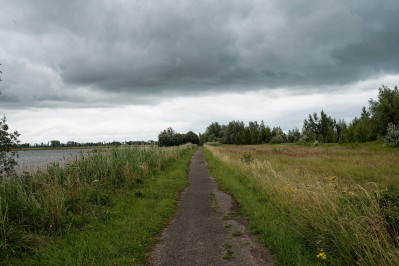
{"x":114,"y":70}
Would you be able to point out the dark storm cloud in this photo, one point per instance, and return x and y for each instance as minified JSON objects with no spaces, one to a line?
{"x":52,"y":51}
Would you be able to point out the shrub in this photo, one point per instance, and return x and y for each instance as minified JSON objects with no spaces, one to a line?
{"x":316,"y":143}
{"x":247,"y":157}
{"x":8,"y":140}
{"x":277,"y":139}
{"x":392,"y":136}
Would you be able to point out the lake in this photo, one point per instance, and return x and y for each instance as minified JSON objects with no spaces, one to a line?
{"x":34,"y":160}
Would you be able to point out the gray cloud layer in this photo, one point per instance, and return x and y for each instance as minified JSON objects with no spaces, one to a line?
{"x":93,"y":52}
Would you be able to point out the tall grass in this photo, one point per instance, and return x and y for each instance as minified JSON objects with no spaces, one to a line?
{"x":340,"y":222}
{"x":59,"y":199}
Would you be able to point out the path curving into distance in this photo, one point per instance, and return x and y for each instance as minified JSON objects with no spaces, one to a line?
{"x":201,"y":234}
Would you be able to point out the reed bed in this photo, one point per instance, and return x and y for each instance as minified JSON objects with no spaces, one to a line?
{"x":338,"y":220}
{"x":59,"y":199}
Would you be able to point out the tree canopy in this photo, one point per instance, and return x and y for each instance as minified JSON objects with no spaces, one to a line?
{"x":7,"y":141}
{"x":169,"y":137}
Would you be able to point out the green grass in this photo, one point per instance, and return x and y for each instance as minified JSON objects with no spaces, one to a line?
{"x":236,"y":233}
{"x":226,"y":217}
{"x":228,"y":255}
{"x":119,"y":221}
{"x":227,"y":225}
{"x":125,"y":234}
{"x":267,"y":220}
{"x":301,"y":200}
{"x":229,"y":252}
{"x":227,"y":246}
{"x":214,"y":202}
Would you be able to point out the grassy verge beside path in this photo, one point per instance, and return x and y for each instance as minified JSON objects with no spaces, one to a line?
{"x":125,"y":232}
{"x":314,"y":217}
{"x":266,"y":220}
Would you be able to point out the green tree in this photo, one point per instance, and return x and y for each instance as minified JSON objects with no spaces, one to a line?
{"x":310,"y":128}
{"x":214,"y":132}
{"x":265,"y":134}
{"x":55,"y":143}
{"x":202,"y":138}
{"x":385,"y":109}
{"x":342,"y":131}
{"x":169,"y":137}
{"x":278,"y":136}
{"x":166,"y":137}
{"x":278,"y":131}
{"x":293,"y":135}
{"x":191,"y":137}
{"x":254,"y":129}
{"x":361,"y":129}
{"x":247,"y":136}
{"x":234,"y":133}
{"x":8,"y":140}
{"x":323,"y":129}
{"x":327,"y":128}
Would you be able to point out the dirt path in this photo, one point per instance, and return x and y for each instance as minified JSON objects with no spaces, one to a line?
{"x":202,"y":233}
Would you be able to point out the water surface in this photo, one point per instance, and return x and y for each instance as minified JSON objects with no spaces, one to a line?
{"x":34,"y":160}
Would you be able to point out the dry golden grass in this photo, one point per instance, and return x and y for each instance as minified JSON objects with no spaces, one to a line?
{"x":329,"y":193}
{"x":360,"y":164}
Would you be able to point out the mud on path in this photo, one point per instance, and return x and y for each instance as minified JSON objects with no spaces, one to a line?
{"x":204,"y":231}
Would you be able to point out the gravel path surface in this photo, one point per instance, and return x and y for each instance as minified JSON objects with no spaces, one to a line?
{"x":202,"y":233}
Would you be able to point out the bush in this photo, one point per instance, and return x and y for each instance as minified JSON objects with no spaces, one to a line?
{"x":277,"y":139}
{"x":316,"y":143}
{"x":247,"y":157}
{"x":392,"y":137}
{"x":8,"y":140}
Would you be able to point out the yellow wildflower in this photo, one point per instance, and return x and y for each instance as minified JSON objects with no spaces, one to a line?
{"x":334,"y":179}
{"x":321,"y":255}
{"x":299,"y":171}
{"x":287,"y":188}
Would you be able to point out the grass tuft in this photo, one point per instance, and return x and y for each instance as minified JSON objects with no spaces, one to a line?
{"x":229,"y":252}
{"x":226,"y":217}
{"x":214,"y":202}
{"x":227,"y":225}
{"x":236,"y":233}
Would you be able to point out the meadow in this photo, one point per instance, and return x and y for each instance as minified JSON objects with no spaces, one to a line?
{"x":65,"y":213}
{"x":329,"y":204}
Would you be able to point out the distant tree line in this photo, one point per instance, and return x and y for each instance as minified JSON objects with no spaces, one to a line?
{"x":57,"y":143}
{"x":169,"y":137}
{"x":380,"y":120}
{"x":235,"y":132}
